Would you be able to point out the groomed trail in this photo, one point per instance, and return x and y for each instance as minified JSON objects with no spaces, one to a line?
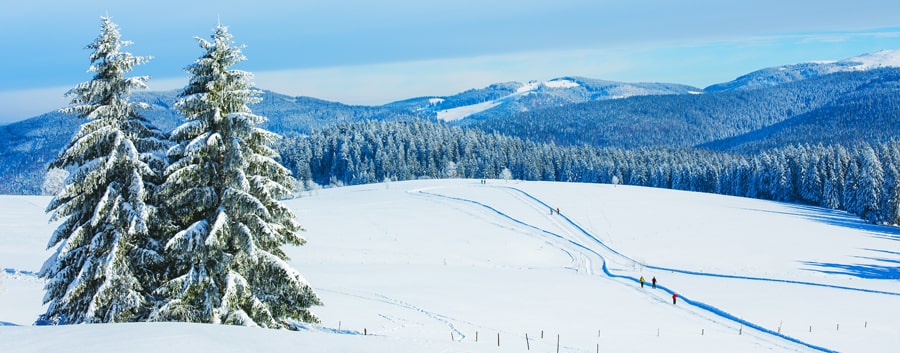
{"x":540,"y":217}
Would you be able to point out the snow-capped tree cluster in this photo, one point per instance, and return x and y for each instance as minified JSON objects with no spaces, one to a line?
{"x":180,"y":228}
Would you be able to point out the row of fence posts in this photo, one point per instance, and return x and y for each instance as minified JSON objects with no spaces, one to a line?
{"x":702,"y":333}
{"x":837,"y":326}
{"x":528,"y":343}
{"x":527,"y":340}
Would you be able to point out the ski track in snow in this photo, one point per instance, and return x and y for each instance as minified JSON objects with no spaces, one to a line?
{"x":14,"y":272}
{"x":328,"y":329}
{"x":695,"y":273}
{"x":594,"y":240}
{"x":459,"y":336}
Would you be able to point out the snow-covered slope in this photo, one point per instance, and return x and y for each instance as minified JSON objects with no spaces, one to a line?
{"x":467,"y":110}
{"x":533,"y":87}
{"x":787,"y":73}
{"x":461,"y":266}
{"x":879,"y":59}
{"x":514,"y":97}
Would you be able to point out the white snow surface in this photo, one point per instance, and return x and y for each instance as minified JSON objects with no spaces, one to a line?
{"x":868,"y":61}
{"x":461,"y":266}
{"x":879,"y":59}
{"x":561,"y":83}
{"x":525,"y":89}
{"x":466,"y":110}
{"x":528,"y":87}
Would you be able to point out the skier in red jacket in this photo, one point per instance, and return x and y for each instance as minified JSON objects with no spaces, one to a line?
{"x":674,"y":298}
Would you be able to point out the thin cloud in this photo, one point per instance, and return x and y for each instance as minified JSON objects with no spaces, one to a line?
{"x":383,"y":83}
{"x":697,"y":62}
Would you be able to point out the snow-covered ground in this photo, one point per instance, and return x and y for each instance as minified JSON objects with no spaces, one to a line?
{"x":878,"y":59}
{"x":525,"y":89}
{"x":467,"y":110}
{"x":461,"y":266}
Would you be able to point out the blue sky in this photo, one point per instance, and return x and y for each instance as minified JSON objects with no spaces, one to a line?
{"x":374,"y":52}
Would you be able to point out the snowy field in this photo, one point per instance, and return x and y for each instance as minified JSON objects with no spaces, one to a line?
{"x":461,"y":266}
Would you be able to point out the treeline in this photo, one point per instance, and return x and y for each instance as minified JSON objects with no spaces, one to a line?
{"x":861,"y":179}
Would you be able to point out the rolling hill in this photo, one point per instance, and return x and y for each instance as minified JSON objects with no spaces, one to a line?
{"x":457,"y":265}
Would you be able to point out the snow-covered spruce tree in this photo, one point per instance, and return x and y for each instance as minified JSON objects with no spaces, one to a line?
{"x":104,"y":249}
{"x":222,"y":191}
{"x":54,"y":180}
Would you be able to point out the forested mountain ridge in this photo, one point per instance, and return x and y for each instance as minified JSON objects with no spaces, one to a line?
{"x":773,"y":76}
{"x":868,"y":114}
{"x":838,"y":107}
{"x":507,"y":98}
{"x":698,"y":119}
{"x":27,"y":146}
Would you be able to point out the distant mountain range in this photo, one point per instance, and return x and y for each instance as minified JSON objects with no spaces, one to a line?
{"x":514,"y":97}
{"x":773,"y":76}
{"x":503,"y":99}
{"x":818,"y":102}
{"x":840,"y":107}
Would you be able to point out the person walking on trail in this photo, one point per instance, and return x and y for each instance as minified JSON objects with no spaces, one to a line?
{"x":674,"y":298}
{"x":642,"y":281}
{"x":653,"y":280}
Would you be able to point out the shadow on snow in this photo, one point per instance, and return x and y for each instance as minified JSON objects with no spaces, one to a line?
{"x":884,"y":268}
{"x":837,"y":218}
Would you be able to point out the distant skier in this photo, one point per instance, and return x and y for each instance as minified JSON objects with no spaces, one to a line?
{"x":654,"y":281}
{"x":674,"y":298}
{"x":557,"y":210}
{"x":642,"y":281}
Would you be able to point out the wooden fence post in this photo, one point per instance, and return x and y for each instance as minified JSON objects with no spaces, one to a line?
{"x":557,"y":343}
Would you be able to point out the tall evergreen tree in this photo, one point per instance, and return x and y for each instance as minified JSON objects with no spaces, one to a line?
{"x":103,"y":244}
{"x":890,"y":197}
{"x":222,"y":189}
{"x":869,"y":187}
